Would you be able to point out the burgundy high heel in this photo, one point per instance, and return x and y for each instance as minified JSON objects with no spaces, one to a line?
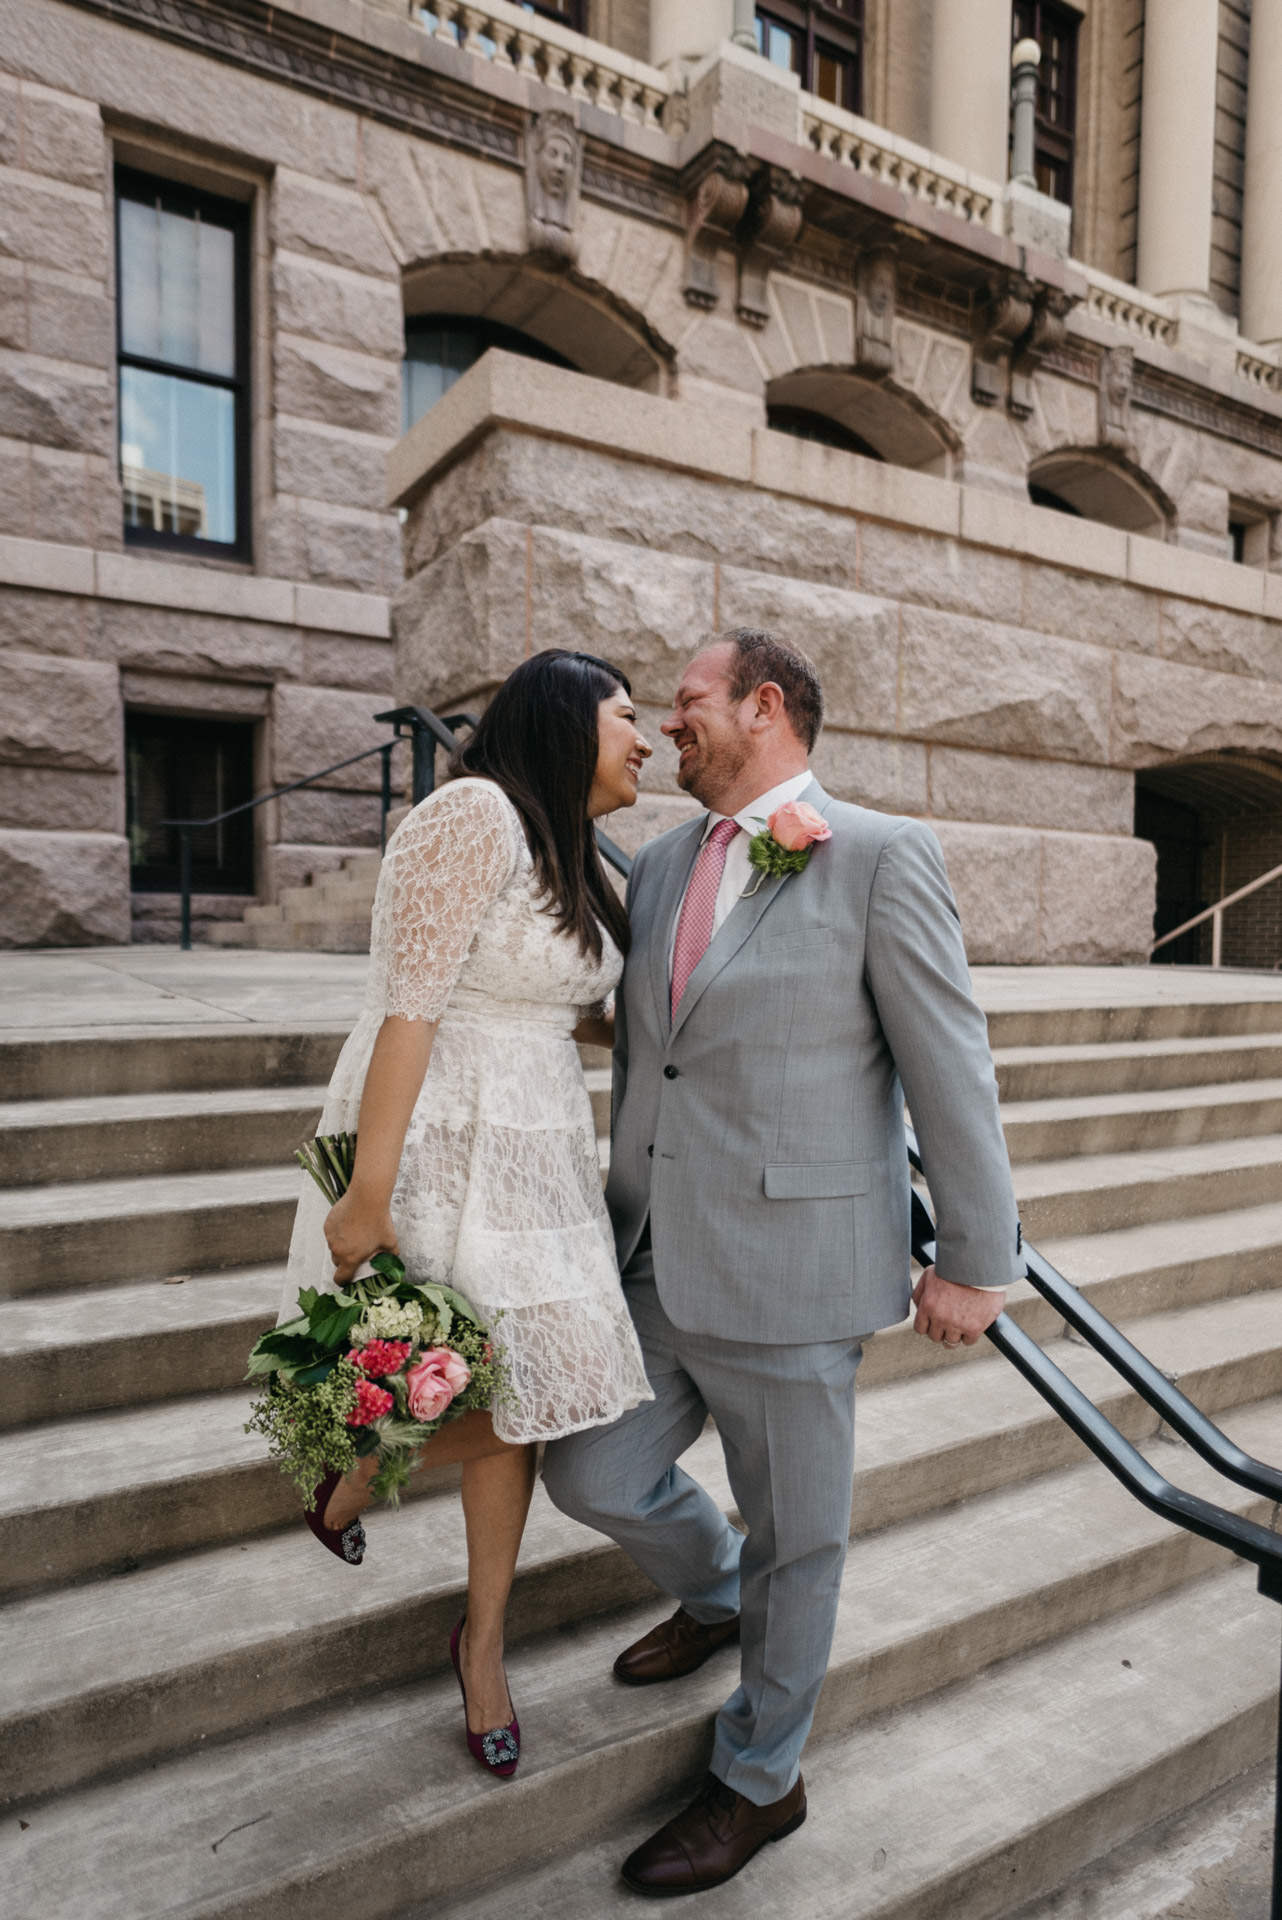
{"x":498,"y":1750}
{"x":346,"y":1543}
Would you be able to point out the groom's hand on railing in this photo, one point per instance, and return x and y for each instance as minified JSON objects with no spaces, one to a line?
{"x":954,"y":1316}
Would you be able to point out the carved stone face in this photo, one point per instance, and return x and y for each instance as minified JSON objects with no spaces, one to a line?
{"x":556,"y":165}
{"x":880,"y":287}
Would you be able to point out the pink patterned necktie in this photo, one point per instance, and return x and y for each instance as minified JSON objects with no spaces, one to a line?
{"x":698,"y":909}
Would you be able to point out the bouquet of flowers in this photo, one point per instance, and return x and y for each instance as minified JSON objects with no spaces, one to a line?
{"x":378,"y":1366}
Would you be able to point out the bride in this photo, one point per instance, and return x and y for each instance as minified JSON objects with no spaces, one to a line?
{"x":495,"y":942}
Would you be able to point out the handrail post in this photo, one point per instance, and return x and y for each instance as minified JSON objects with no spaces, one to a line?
{"x":184,"y":881}
{"x":1217,"y":935}
{"x":385,"y":754}
{"x":423,"y":758}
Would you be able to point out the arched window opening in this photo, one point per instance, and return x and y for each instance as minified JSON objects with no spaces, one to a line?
{"x":874,"y":418}
{"x":1216,"y":823}
{"x":441,"y":347}
{"x":1097,"y":488}
{"x":805,"y":425}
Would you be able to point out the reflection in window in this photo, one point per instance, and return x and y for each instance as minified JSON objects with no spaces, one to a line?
{"x":183,"y":351}
{"x":440,"y":347}
{"x":821,"y":44}
{"x":179,"y":769}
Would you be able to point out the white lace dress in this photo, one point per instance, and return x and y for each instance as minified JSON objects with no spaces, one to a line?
{"x":499,"y":1190}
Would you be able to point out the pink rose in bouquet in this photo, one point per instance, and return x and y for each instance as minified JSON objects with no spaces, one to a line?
{"x":437,"y":1377}
{"x":795,"y":825}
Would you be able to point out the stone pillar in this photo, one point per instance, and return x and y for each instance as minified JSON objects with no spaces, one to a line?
{"x":1177,"y":146}
{"x":970,"y":84}
{"x":689,"y":29}
{"x":1262,"y":212}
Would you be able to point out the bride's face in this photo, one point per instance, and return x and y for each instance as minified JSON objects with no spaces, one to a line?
{"x":620,"y":753}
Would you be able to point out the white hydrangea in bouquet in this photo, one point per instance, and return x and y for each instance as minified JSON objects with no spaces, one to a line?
{"x":377,"y":1367}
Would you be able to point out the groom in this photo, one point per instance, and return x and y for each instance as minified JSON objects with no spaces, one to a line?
{"x":766,"y":1037}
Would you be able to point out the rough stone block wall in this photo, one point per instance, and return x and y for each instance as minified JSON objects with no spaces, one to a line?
{"x":1015,"y":735}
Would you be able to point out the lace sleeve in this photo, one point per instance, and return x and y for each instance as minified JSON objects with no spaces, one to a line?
{"x":445,"y":866}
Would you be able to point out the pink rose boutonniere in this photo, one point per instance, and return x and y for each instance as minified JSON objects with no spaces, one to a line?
{"x":785,"y":843}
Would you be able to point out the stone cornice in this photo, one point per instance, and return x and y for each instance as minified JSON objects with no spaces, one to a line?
{"x":389,"y":70}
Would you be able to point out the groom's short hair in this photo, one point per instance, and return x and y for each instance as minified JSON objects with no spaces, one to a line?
{"x":760,"y":656}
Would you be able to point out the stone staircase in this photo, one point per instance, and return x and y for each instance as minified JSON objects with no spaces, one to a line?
{"x":201,"y":1714}
{"x":329,"y":914}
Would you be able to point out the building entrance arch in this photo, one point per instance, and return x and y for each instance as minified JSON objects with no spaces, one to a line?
{"x":1216,"y":823}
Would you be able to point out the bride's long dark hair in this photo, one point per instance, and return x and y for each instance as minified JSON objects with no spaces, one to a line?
{"x":538,"y":739}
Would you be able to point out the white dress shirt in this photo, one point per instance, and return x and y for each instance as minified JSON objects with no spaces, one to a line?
{"x":739,"y":870}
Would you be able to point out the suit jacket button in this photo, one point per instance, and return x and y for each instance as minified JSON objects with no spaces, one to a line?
{"x":650,"y":1153}
{"x":669,"y":1073}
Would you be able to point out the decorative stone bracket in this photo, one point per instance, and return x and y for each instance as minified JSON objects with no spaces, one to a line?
{"x":757,"y":211}
{"x":770,"y":225}
{"x":876,"y":296}
{"x":1019,"y":325}
{"x":1116,"y":383}
{"x":715,"y":204}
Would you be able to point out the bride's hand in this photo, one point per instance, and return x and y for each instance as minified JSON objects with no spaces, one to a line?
{"x":355,"y":1231}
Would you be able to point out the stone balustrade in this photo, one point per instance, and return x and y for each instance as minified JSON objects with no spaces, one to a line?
{"x":868,"y":149}
{"x":1259,"y":368}
{"x":1146,"y":315}
{"x":565,"y":61}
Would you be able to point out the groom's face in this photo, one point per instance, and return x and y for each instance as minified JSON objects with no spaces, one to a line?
{"x":708,"y":728}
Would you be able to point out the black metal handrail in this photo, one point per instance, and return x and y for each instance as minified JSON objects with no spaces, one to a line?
{"x":424,"y":730}
{"x":1246,"y":1538}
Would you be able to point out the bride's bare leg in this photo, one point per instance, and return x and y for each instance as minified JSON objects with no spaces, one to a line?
{"x":351,"y":1495}
{"x":496,"y":1499}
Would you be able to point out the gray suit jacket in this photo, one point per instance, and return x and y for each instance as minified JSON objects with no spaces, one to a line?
{"x":763,"y":1131}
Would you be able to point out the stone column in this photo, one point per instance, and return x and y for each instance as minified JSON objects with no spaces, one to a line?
{"x":1177,"y":146}
{"x":1262,"y":212}
{"x":970,"y":84}
{"x":689,"y":29}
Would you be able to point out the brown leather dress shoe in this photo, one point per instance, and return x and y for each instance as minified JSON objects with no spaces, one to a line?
{"x":672,"y":1649}
{"x":711,"y":1839}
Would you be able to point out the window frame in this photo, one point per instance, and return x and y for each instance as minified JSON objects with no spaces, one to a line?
{"x":840,"y":30}
{"x":136,"y":183}
{"x":1053,"y":141}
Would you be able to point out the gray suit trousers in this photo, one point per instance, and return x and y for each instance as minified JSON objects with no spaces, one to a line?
{"x":785,"y":1416}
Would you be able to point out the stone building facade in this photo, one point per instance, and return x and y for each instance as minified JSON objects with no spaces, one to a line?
{"x":350,"y":352}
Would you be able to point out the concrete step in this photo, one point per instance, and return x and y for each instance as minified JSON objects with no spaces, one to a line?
{"x":1094,"y":1193}
{"x":372,"y":1804}
{"x":277,"y":1634}
{"x":81,"y":1495}
{"x":102,"y":1232}
{"x":263,"y":916}
{"x":62,"y":1355}
{"x":979,"y":1798}
{"x":87,"y":1063}
{"x":1140,"y":1066}
{"x":108,"y":1135}
{"x":291,"y":936}
{"x":1204,"y":1008}
{"x":1096,"y":1123}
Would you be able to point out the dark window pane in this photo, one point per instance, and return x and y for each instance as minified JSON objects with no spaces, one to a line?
{"x":189,"y":769}
{"x":438,"y":350}
{"x":177,"y":289}
{"x":178,"y":455}
{"x":833,"y":77}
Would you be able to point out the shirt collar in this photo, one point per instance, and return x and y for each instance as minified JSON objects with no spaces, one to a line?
{"x":753,"y":817}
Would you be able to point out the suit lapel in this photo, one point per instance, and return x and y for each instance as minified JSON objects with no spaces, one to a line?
{"x":671,"y":886}
{"x":739,"y":923}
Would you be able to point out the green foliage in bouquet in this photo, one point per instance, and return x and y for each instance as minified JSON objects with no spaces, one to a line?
{"x":770,"y":859}
{"x":344,"y":1378}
